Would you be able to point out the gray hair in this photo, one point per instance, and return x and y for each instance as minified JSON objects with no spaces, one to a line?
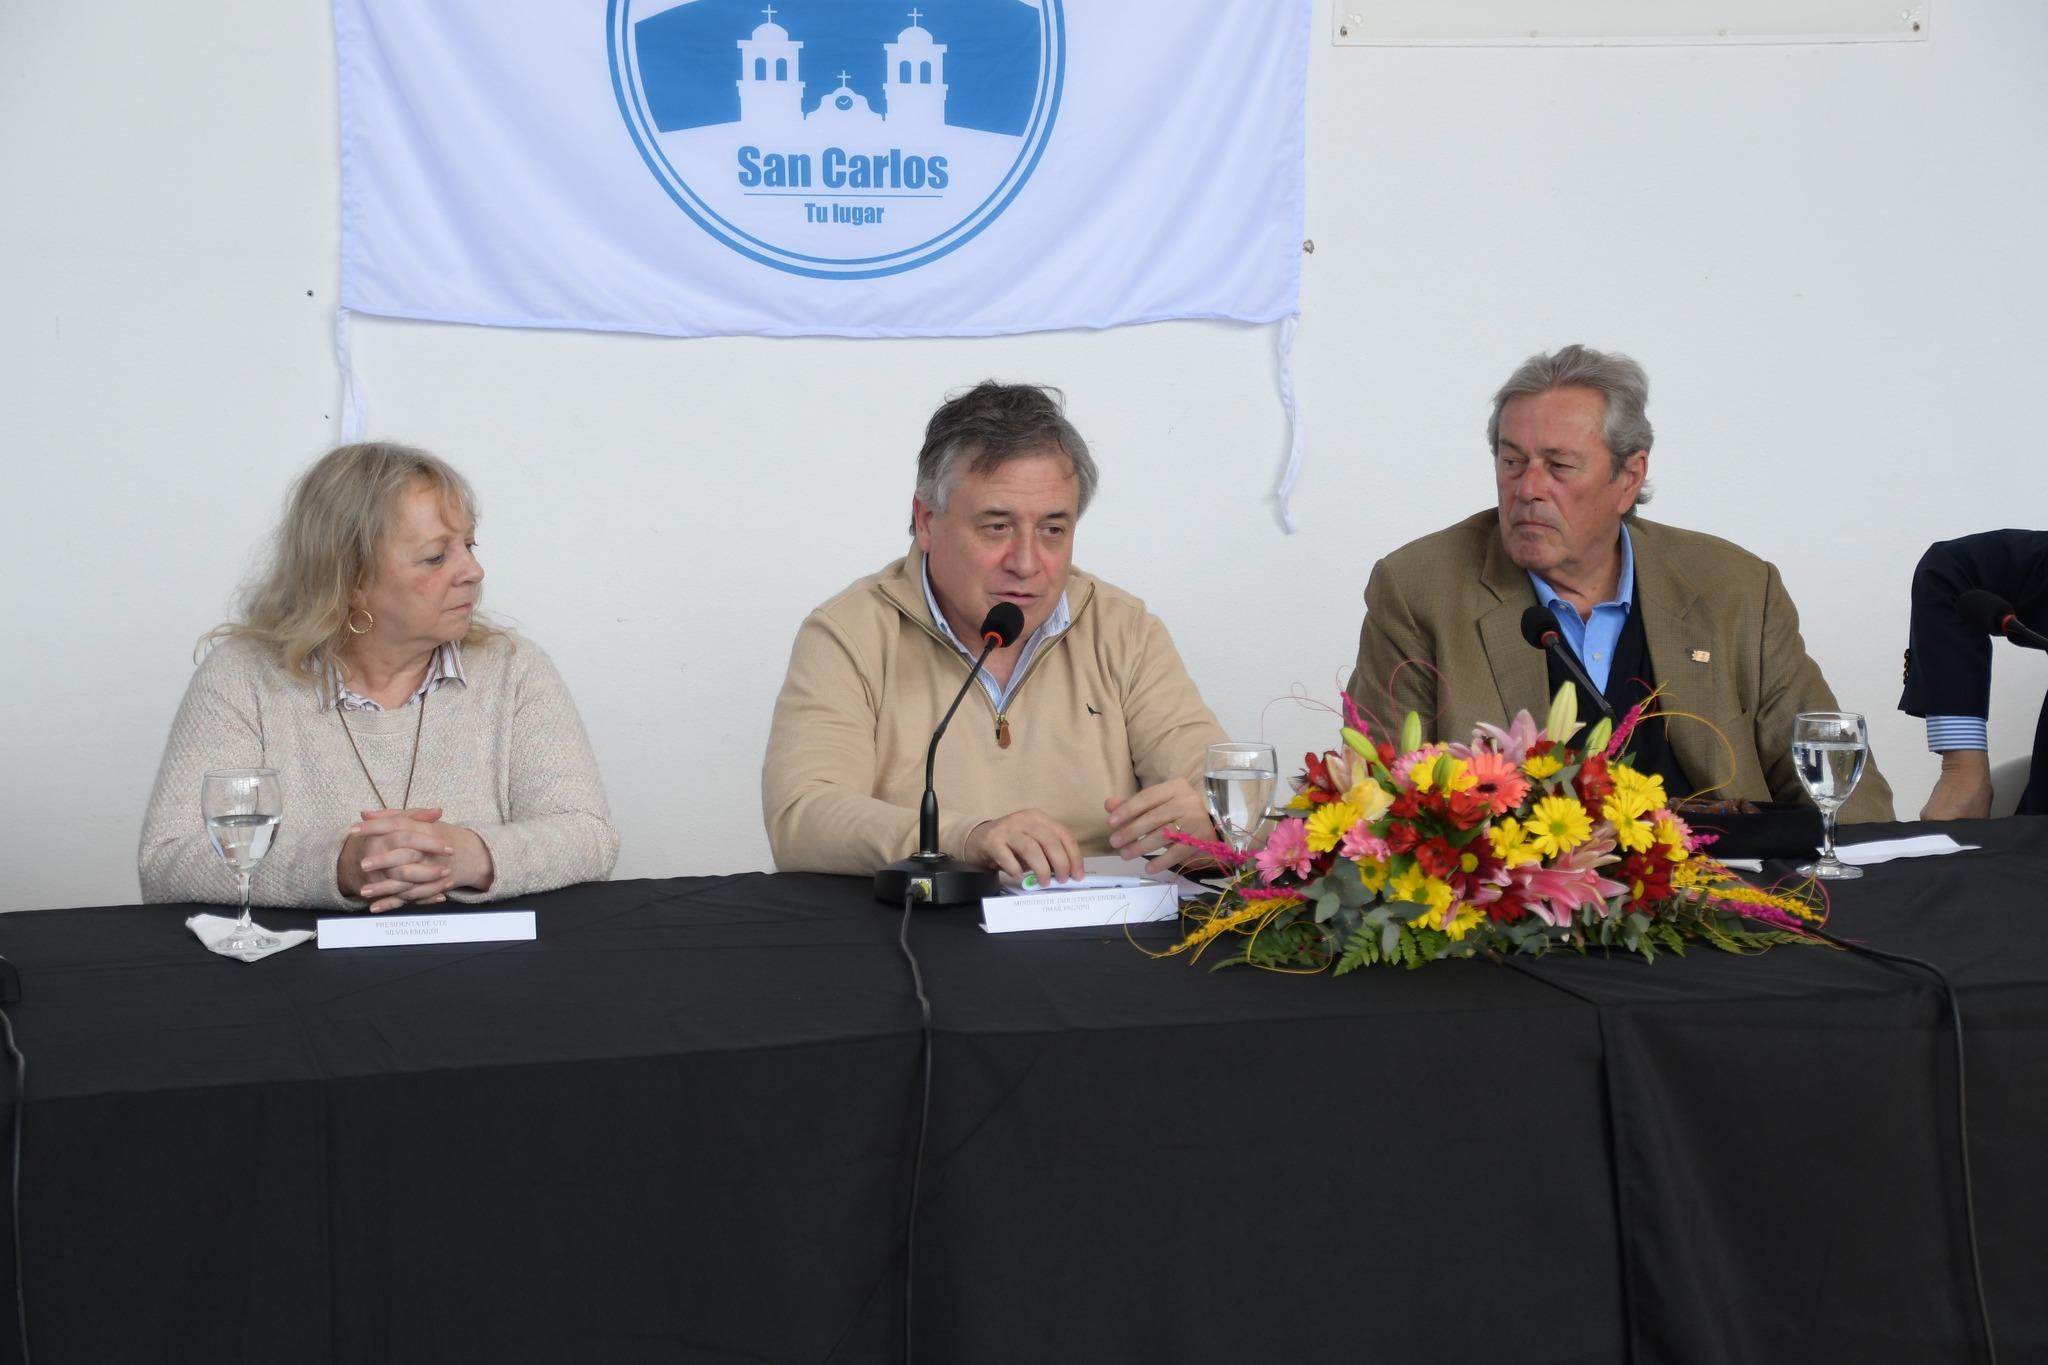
{"x":1619,"y":380}
{"x":992,"y":424}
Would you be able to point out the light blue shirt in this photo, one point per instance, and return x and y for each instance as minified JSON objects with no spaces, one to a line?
{"x":998,"y":693}
{"x":1594,"y":640}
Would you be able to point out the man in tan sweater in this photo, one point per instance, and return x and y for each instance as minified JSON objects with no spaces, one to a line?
{"x":1640,"y":604}
{"x":1086,"y":733}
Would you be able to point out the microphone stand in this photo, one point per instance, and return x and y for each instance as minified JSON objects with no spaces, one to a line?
{"x":930,"y":875}
{"x":2022,"y":634}
{"x":1544,"y":634}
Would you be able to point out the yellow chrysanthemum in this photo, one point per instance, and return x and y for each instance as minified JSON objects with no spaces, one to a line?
{"x":1408,"y":886}
{"x":1417,"y":887}
{"x":1369,"y":797}
{"x":1326,"y":827}
{"x":1455,"y":921}
{"x":1373,"y":872}
{"x":1635,"y":795}
{"x":1468,"y":918}
{"x":1540,"y":766}
{"x":1509,"y":840}
{"x":1633,"y":835}
{"x":1671,"y":839}
{"x":1558,"y":825}
{"x":1456,"y":776}
{"x":1299,"y":801}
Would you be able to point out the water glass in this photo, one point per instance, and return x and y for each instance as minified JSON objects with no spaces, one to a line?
{"x":1237,"y":782}
{"x":242,"y":808}
{"x":1829,"y":749}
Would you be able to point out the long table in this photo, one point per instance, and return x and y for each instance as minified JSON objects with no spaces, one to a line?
{"x":680,"y":1127}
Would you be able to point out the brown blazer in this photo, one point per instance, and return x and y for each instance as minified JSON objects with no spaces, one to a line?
{"x":1722,"y":632}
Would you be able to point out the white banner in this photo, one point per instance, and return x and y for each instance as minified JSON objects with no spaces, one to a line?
{"x":841,"y":167}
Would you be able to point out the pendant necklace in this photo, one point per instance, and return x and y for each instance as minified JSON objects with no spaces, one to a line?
{"x":405,"y":802}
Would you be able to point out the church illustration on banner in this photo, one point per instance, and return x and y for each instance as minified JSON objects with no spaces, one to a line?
{"x":821,"y":154}
{"x":913,"y":85}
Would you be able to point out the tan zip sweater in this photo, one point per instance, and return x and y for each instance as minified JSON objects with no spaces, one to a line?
{"x":1105,"y":709}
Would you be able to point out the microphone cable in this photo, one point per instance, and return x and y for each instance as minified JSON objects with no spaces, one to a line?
{"x":14,"y":1181}
{"x":911,"y":897}
{"x":1955,"y":1014}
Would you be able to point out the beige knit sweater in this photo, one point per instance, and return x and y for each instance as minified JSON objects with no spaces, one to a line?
{"x":1105,"y":709}
{"x":504,"y":754}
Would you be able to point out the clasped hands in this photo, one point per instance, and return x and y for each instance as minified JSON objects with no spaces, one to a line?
{"x":1032,"y":841}
{"x":410,"y":857}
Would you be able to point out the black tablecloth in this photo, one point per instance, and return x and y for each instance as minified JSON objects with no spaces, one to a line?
{"x":679,"y":1127}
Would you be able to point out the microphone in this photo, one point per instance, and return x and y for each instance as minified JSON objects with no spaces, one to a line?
{"x":1987,"y":611}
{"x":1539,"y":628}
{"x":944,"y":880}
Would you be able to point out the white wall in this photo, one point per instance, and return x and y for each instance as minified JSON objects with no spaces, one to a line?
{"x":1829,"y":258}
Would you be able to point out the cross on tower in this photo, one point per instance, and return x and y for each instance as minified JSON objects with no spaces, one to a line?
{"x":843,"y":78}
{"x":914,"y":17}
{"x":770,"y":12}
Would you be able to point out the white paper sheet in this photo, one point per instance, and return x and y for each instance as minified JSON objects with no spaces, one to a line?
{"x":1884,"y":850}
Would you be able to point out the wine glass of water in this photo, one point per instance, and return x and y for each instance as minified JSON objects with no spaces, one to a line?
{"x":241,"y":807}
{"x":1237,"y":782}
{"x":1829,"y":749}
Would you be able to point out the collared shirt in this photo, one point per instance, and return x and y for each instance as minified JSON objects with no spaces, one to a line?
{"x":999,"y":693}
{"x":1594,"y":640}
{"x":445,"y":667}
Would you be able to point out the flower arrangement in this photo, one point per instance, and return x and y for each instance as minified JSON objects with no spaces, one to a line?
{"x":1513,"y":843}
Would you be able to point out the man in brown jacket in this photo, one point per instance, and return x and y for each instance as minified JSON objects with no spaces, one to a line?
{"x":1086,"y":733}
{"x":1640,"y":604}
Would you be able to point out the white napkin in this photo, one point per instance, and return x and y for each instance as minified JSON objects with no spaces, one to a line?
{"x":211,"y":929}
{"x":1884,"y":850}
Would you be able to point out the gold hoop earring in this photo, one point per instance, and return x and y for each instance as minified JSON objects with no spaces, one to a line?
{"x":364,"y":629}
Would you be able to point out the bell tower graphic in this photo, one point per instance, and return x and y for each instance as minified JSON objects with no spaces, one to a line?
{"x":770,"y":93}
{"x":914,"y":80}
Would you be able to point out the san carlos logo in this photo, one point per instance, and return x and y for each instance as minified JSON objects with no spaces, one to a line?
{"x":841,"y":139}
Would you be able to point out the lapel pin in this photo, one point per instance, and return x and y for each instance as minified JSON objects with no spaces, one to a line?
{"x":1700,"y":656}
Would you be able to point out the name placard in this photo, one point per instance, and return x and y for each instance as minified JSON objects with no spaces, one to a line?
{"x":398,"y":931}
{"x":1081,"y":909}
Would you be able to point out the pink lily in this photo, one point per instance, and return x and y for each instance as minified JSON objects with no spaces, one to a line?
{"x":1556,"y":892}
{"x":1515,"y":741}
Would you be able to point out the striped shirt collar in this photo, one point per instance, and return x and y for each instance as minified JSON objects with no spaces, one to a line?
{"x":1061,"y":618}
{"x":445,"y":667}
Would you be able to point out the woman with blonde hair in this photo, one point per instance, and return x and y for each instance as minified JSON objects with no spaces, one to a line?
{"x":365,"y":622}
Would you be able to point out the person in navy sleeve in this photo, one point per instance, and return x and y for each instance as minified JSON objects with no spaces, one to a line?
{"x":1948,"y":667}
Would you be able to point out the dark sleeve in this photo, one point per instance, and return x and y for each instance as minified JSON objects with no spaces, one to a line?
{"x":1948,"y":671}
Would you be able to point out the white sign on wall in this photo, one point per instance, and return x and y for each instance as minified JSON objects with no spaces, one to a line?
{"x":1495,"y":23}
